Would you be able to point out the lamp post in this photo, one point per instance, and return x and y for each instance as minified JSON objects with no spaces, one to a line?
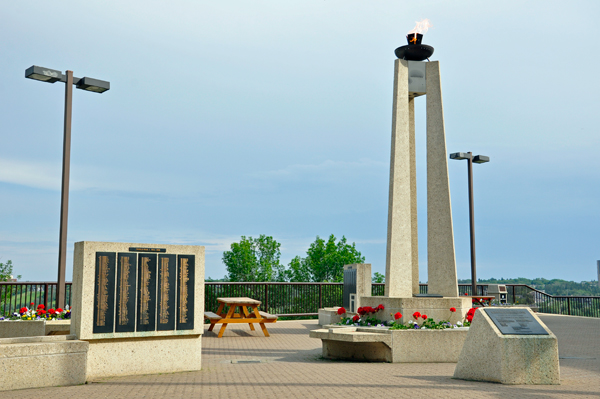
{"x":85,"y":83}
{"x":470,"y":159}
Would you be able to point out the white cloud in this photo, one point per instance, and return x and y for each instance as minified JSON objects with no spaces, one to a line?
{"x":324,"y":171}
{"x":44,"y":175}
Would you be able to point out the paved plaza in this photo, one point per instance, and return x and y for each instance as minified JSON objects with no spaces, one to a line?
{"x":245,"y":364}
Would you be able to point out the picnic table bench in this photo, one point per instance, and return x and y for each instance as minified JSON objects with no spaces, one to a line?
{"x":247,"y":312}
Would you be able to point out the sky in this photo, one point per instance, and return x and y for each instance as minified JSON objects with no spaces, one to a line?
{"x":238,"y":118}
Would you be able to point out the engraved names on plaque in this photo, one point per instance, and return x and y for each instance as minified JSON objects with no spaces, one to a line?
{"x":126,"y":276}
{"x":516,"y":322}
{"x":185,"y":292}
{"x":146,"y":291}
{"x":104,"y":293}
{"x":143,"y":291}
{"x":167,"y":265}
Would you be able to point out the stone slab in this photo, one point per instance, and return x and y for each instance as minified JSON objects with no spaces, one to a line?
{"x":489,"y":355}
{"x":22,"y":328}
{"x":131,"y":356}
{"x":34,"y":362}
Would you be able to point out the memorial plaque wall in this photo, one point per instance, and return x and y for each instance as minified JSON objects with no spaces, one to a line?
{"x":144,"y":290}
{"x":126,"y":278}
{"x":185,"y":292}
{"x":104,"y":292}
{"x":167,"y":270}
{"x":146,"y":309}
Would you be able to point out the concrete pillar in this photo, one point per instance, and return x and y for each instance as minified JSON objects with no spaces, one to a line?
{"x":413,"y":198}
{"x":399,"y":266}
{"x":441,"y":263}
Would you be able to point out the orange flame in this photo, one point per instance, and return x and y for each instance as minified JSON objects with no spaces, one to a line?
{"x":421,"y":27}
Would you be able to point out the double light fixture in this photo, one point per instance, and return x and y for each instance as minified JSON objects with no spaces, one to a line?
{"x":52,"y":76}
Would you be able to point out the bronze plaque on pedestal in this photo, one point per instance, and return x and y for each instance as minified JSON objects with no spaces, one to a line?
{"x":167,"y":269}
{"x":146,"y":292}
{"x":515,"y":322}
{"x":185,"y":291}
{"x":126,"y":277}
{"x":104,"y":293}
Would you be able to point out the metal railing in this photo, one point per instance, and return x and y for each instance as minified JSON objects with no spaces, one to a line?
{"x":15,"y":295}
{"x":303,"y":299}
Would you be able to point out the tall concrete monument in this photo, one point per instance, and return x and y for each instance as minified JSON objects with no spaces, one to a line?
{"x":415,"y":77}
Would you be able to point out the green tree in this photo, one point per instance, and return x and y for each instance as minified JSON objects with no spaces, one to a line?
{"x":254,"y":259}
{"x":378,"y":278}
{"x":6,"y":270}
{"x":324,"y":261}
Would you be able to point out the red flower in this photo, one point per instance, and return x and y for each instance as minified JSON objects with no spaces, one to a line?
{"x":424,"y":317}
{"x":466,"y":293}
{"x":51,"y":311}
{"x":340,"y":311}
{"x":453,"y":310}
{"x":469,"y":318}
{"x":355,"y":318}
{"x":359,"y":310}
{"x":416,"y":315}
{"x":380,"y":307}
{"x":23,"y":310}
{"x":58,"y":310}
{"x":32,"y":303}
{"x":471,"y":311}
{"x":41,"y":312}
{"x":397,"y":315}
{"x":41,"y":306}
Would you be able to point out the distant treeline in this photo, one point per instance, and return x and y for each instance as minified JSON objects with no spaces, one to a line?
{"x":552,"y":287}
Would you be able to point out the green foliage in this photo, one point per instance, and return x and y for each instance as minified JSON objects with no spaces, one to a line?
{"x":378,"y":278}
{"x":324,"y":261}
{"x":254,"y":259}
{"x":552,"y":287}
{"x":6,"y":270}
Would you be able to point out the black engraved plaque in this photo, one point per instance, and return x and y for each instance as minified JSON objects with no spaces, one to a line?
{"x":185,"y":291}
{"x":167,"y":270}
{"x":138,"y":249}
{"x":104,"y":293}
{"x":126,"y":277}
{"x":515,"y":322}
{"x":146,"y":293}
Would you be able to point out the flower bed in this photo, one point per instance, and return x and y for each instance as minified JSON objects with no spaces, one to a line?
{"x":366,"y":318}
{"x":39,"y":313}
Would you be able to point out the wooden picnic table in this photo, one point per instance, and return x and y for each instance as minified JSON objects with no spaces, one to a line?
{"x":247,"y":312}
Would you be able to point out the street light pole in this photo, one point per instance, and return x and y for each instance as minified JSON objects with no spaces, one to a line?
{"x":470,"y":159}
{"x":472,"y":224}
{"x":64,"y":194}
{"x":98,"y":86}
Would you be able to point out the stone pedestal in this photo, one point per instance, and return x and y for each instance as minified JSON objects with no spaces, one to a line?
{"x":490,"y":355}
{"x":357,"y":284}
